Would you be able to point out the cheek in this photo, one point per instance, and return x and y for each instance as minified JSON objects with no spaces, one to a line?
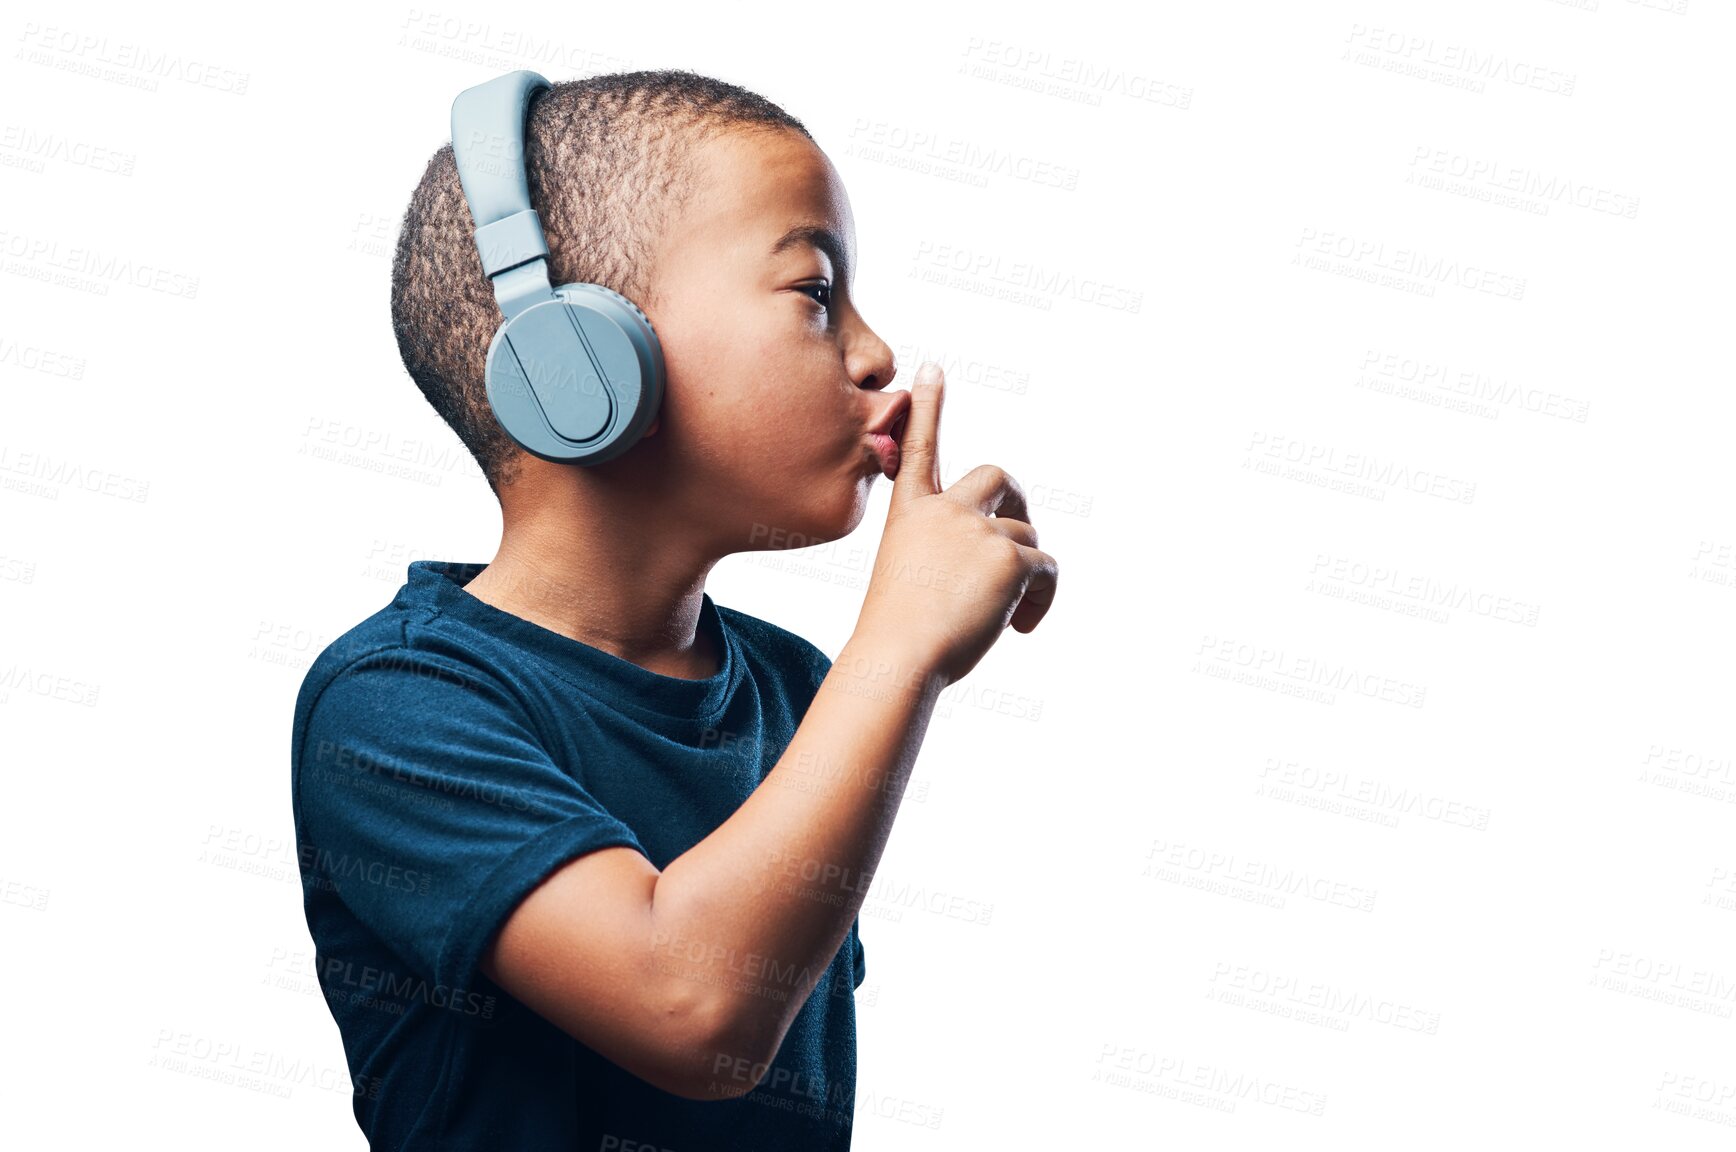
{"x":789,"y":406}
{"x":758,"y":404}
{"x":778,"y":446}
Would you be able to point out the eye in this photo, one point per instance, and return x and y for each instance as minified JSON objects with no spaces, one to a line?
{"x":825,"y":290}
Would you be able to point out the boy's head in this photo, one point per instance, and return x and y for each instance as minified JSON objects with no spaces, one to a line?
{"x":689,"y":196}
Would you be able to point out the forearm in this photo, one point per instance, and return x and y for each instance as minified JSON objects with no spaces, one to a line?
{"x":758,"y":909}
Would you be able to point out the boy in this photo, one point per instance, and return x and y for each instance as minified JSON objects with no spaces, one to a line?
{"x":575,"y":875}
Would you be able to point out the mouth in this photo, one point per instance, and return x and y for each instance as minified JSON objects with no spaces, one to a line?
{"x":885,"y":453}
{"x":886,"y":439}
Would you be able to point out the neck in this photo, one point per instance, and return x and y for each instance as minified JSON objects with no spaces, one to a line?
{"x":578,"y":560}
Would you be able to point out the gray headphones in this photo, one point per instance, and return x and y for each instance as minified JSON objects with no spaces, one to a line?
{"x":575,"y":374}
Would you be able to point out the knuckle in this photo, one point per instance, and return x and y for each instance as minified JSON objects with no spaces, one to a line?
{"x":1015,"y":529}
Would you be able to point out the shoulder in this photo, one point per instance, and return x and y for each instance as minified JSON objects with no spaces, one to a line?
{"x":394,"y":662}
{"x":383,"y":632}
{"x":414,"y":711}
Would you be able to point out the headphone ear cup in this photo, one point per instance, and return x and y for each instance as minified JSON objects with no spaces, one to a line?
{"x":576,"y":379}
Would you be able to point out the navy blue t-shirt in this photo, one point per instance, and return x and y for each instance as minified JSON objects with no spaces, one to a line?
{"x":447,"y":757}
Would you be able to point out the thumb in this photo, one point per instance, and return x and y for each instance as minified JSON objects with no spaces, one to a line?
{"x":919,"y":449}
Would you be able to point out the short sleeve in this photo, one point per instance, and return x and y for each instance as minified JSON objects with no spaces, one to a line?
{"x":860,"y":969}
{"x":426,"y":803}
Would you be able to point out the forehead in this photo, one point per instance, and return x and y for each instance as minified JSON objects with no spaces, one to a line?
{"x":753,"y":188}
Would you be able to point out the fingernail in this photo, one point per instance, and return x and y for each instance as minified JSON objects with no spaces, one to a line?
{"x":929,"y":373}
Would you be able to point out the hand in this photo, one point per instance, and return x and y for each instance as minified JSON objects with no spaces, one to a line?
{"x":955,"y":567}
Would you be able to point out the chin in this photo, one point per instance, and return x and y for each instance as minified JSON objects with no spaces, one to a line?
{"x":858,"y":506}
{"x":814,"y":521}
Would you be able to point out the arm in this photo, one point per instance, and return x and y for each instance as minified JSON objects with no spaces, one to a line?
{"x":690,"y":978}
{"x":769,"y":897}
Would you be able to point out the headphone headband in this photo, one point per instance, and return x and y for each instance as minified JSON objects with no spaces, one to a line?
{"x":488,"y":123}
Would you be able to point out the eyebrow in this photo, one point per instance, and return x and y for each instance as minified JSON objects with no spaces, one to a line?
{"x":820,"y":237}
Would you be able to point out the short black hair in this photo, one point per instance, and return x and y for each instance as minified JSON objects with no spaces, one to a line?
{"x":610,"y":160}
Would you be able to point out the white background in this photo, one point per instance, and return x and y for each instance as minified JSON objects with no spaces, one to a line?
{"x":1371,"y":781}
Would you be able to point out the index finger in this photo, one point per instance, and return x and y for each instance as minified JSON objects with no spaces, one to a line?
{"x":919,"y":449}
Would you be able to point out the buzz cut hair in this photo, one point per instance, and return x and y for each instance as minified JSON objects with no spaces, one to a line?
{"x":610,"y":161}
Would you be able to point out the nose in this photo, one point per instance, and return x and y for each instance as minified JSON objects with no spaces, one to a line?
{"x":870,"y":361}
